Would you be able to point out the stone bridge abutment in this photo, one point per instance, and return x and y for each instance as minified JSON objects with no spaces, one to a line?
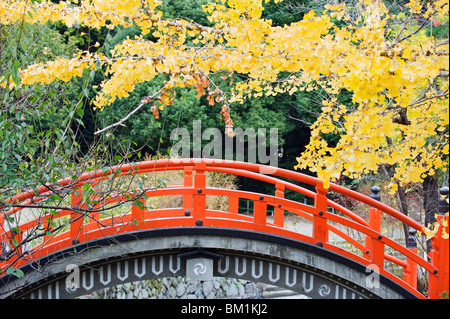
{"x":304,"y":268}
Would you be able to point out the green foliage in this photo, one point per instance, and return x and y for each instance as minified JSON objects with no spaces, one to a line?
{"x":445,"y":295}
{"x":143,"y":131}
{"x":33,"y":141}
{"x":185,"y":9}
{"x":55,"y":123}
{"x":58,"y":115}
{"x":284,"y":13}
{"x":439,"y":30}
{"x":15,"y":272}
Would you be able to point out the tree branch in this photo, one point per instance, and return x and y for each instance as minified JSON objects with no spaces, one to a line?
{"x":443,"y":94}
{"x":441,"y":43}
{"x":131,"y":113}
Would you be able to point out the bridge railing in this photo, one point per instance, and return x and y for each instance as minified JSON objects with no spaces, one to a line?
{"x":85,"y":224}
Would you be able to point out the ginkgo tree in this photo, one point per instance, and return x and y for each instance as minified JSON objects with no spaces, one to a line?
{"x":397,"y":76}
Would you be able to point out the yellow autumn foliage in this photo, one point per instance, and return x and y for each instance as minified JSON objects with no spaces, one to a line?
{"x":400,"y":109}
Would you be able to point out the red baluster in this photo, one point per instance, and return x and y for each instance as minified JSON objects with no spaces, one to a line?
{"x":187,"y":199}
{"x":320,"y":228}
{"x":278,"y":214}
{"x":410,"y":272}
{"x":260,"y":211}
{"x":137,"y":213}
{"x":199,"y":196}
{"x":233,"y":204}
{"x":438,"y":283}
{"x":374,"y":223}
{"x":76,"y":218}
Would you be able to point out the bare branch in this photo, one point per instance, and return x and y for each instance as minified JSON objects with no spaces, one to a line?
{"x":443,"y":94}
{"x":397,"y":40}
{"x":445,"y":42}
{"x":131,"y":113}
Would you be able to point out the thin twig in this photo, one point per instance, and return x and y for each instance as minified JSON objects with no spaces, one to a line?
{"x":443,"y":94}
{"x":129,"y":114}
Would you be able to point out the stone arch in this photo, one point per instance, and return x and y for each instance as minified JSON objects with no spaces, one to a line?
{"x":301,"y":267}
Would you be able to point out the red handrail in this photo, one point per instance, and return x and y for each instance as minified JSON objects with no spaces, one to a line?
{"x":194,"y":192}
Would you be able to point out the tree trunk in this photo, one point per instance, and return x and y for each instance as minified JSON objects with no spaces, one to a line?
{"x":430,"y":201}
{"x":403,"y":208}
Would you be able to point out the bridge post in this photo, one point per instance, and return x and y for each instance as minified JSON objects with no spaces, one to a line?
{"x":187,"y":199}
{"x":199,"y":204}
{"x":94,"y":217}
{"x":439,"y":255}
{"x":233,"y":205}
{"x":47,"y":228}
{"x":320,"y":227}
{"x":278,"y":214}
{"x":374,"y":221}
{"x":137,"y":213}
{"x":260,"y":211}
{"x":76,"y":219}
{"x":410,"y":272}
{"x":375,"y":248}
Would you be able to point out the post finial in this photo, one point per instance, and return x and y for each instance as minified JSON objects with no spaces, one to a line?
{"x":411,"y":242}
{"x":443,"y":204}
{"x":375,"y":193}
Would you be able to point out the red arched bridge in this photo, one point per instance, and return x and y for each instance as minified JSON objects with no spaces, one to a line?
{"x":96,"y":250}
